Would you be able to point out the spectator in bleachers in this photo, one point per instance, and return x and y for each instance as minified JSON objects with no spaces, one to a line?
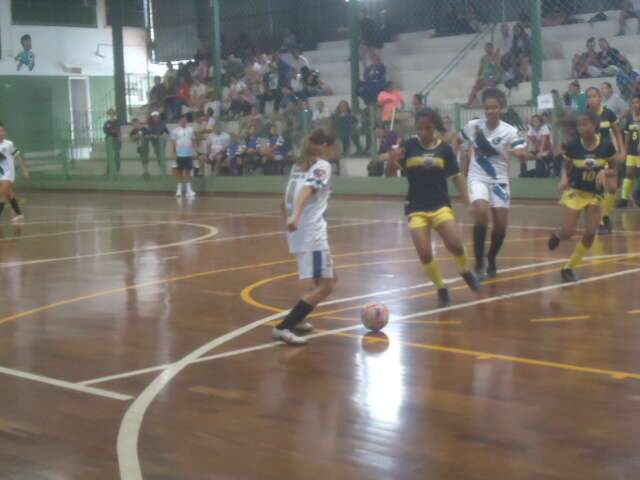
{"x":238,"y":97}
{"x":489,"y":72}
{"x":320,"y":114}
{"x":157,"y":138}
{"x":271,"y":89}
{"x":213,"y":106}
{"x":234,"y":161}
{"x":416,"y":103}
{"x":157,"y":95}
{"x":217,"y":144}
{"x":390,"y":101}
{"x":539,"y":140}
{"x":556,"y":17}
{"x":473,"y":18}
{"x":450,"y":134}
{"x":520,"y":52}
{"x":313,"y":85}
{"x":575,"y":100}
{"x":273,"y":152}
{"x":170,"y":76}
{"x":198,"y":95}
{"x":630,"y":9}
{"x":138,"y":134}
{"x":506,"y":39}
{"x":613,"y":101}
{"x":345,"y":126}
{"x":112,"y":130}
{"x":202,"y":131}
{"x":297,"y":61}
{"x":387,"y":141}
{"x":586,"y":64}
{"x":375,"y":79}
{"x":288,"y":40}
{"x":371,"y":39}
{"x":610,"y":60}
{"x":251,"y":144}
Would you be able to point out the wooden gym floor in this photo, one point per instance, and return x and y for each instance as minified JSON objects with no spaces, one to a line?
{"x":134,"y":343}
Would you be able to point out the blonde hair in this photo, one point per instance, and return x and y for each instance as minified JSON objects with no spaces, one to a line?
{"x":311,"y":147}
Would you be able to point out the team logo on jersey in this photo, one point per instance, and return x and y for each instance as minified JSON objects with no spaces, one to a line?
{"x":320,"y":174}
{"x":497,"y":141}
{"x":590,"y":163}
{"x":429,"y":161}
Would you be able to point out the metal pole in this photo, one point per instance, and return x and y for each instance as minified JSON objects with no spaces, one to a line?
{"x":536,"y":48}
{"x":216,"y":46}
{"x":354,"y":47}
{"x":117,"y":8}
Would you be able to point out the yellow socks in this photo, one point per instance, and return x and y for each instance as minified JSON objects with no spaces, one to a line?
{"x":463,"y":262}
{"x":627,"y":187}
{"x":608,"y":204}
{"x":433,"y":272}
{"x":578,"y":255}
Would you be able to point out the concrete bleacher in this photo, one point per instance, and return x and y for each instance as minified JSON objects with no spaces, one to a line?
{"x":414,"y":59}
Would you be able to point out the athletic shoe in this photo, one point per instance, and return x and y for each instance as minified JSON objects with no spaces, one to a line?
{"x":191,"y":194}
{"x":178,"y":193}
{"x":481,"y":273}
{"x":492,"y":269}
{"x":288,"y":337}
{"x":18,"y":219}
{"x":443,"y":298}
{"x":554,"y":241}
{"x":471,"y":281}
{"x":568,"y":275}
{"x":304,"y":327}
{"x":622,"y":203}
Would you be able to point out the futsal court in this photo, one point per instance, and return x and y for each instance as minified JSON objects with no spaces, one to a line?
{"x":135,"y":343}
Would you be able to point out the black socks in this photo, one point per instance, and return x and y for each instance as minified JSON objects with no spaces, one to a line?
{"x":479,"y":237}
{"x":296,"y":316}
{"x":497,"y":239}
{"x":15,"y":206}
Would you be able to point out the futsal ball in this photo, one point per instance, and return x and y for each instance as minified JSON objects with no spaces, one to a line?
{"x":375,"y":316}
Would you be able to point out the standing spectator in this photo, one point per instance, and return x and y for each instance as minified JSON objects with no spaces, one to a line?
{"x":488,"y":72}
{"x":157,"y":137}
{"x":320,"y":114}
{"x":217,"y":144}
{"x":288,"y":40}
{"x":630,"y":9}
{"x":388,"y":140}
{"x":202,"y":131}
{"x":157,"y":95}
{"x":375,"y":79}
{"x":170,"y":76}
{"x":345,"y":124}
{"x":610,"y":60}
{"x":183,"y":142}
{"x":520,"y":52}
{"x":371,"y":39}
{"x":506,"y":39}
{"x":539,"y":140}
{"x":272,"y":152}
{"x":586,"y":64}
{"x":113,"y":141}
{"x":575,"y":99}
{"x":271,"y":89}
{"x":390,"y":100}
{"x":612,"y":101}
{"x":139,"y":135}
{"x":450,"y":135}
{"x":313,"y":85}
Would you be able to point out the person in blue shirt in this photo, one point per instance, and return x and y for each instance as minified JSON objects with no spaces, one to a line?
{"x":273,"y":152}
{"x":236,"y":152}
{"x":26,"y":57}
{"x":252,"y":144}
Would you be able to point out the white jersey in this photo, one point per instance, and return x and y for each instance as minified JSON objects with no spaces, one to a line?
{"x":504,"y":138}
{"x":7,"y":161}
{"x":311,"y":235}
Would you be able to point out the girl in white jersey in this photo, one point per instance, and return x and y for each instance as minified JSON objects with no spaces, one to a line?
{"x":491,"y":142}
{"x":304,"y":206}
{"x":9,"y":155}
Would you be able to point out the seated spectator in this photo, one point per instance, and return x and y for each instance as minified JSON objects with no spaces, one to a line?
{"x":417,"y":103}
{"x":198,"y":95}
{"x":539,"y":141}
{"x":390,"y":101}
{"x":488,"y":72}
{"x":297,"y":61}
{"x":344,"y":124}
{"x":520,"y":52}
{"x":586,"y":64}
{"x":251,"y":154}
{"x":273,"y":152}
{"x":313,"y":85}
{"x":213,"y":106}
{"x":236,"y":154}
{"x":575,"y":100}
{"x":387,"y":141}
{"x":375,"y":79}
{"x":556,"y":17}
{"x":610,"y":60}
{"x":613,"y":101}
{"x":473,"y":18}
{"x":239,"y":105}
{"x":506,"y":39}
{"x":217,"y":144}
{"x":202,"y":132}
{"x":157,"y":95}
{"x":630,"y":9}
{"x":320,"y":114}
{"x":271,"y":89}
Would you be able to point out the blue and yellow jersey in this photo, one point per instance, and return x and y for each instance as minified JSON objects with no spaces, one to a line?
{"x":632,"y":132}
{"x":427,"y":170}
{"x":608,"y":120}
{"x":586,"y":164}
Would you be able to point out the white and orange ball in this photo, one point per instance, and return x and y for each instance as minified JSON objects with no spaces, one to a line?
{"x":375,"y":316}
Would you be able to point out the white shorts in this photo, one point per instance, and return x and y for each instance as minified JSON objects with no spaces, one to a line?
{"x":316,"y":265}
{"x":498,"y":194}
{"x":7,"y":173}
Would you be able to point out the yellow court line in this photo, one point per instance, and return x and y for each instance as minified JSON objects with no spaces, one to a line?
{"x":560,"y":319}
{"x":633,"y":312}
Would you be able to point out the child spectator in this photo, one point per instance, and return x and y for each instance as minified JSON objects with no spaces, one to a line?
{"x":344,"y":124}
{"x":539,"y":140}
{"x":320,"y":114}
{"x":575,"y":99}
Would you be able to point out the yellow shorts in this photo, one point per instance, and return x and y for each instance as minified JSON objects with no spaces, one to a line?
{"x":633,"y":161}
{"x":430,"y":219}
{"x":579,"y":200}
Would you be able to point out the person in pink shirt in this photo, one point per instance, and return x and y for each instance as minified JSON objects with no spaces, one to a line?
{"x":390,"y":100}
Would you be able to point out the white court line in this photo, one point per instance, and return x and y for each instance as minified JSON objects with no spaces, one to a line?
{"x":212,"y":233}
{"x":66,"y":385}
{"x":71,"y":232}
{"x":381,"y":293}
{"x":129,"y":432}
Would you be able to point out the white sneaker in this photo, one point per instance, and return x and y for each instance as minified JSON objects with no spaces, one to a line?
{"x":18,"y":219}
{"x":304,"y":327}
{"x":191,"y":194}
{"x":287,"y":336}
{"x":179,"y":193}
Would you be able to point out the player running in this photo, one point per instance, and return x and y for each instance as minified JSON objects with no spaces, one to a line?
{"x":9,"y":155}
{"x":632,"y":142}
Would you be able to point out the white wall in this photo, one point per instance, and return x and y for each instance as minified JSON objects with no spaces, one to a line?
{"x":58,"y":46}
